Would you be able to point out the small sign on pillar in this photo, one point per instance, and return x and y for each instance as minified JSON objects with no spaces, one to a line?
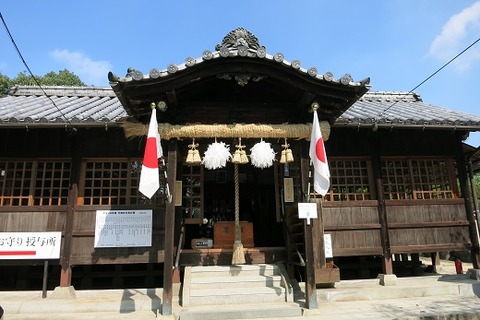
{"x":307,"y":210}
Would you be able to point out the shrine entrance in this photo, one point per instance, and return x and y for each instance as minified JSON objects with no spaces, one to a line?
{"x":208,"y":207}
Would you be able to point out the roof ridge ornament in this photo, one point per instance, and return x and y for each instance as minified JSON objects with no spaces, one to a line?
{"x":237,"y":38}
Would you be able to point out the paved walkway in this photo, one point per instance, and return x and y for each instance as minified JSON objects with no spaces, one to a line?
{"x":441,"y":296}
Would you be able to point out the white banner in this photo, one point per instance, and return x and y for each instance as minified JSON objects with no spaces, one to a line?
{"x":123,"y":228}
{"x":30,"y":245}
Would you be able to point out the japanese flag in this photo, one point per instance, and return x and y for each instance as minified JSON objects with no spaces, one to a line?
{"x":149,"y":176}
{"x":318,"y":157}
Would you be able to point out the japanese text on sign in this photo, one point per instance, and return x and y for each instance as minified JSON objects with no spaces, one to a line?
{"x":123,"y":228}
{"x":30,"y":245}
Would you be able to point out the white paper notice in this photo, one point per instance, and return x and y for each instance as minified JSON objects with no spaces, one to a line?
{"x":327,"y":240}
{"x":123,"y":228}
{"x":307,"y":210}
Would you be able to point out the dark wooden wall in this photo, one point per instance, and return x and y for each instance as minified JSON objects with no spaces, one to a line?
{"x":76,"y":145}
{"x":413,"y":225}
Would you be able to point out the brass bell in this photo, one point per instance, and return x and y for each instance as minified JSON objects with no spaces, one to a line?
{"x":189,"y":157}
{"x":243,"y":157}
{"x":283,"y":157}
{"x":240,"y":156}
{"x":289,"y":155}
{"x":236,"y":157}
{"x":193,"y":156}
{"x":196,"y":157}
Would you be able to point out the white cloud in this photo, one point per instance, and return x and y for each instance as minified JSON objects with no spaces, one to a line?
{"x":91,"y":72}
{"x":3,"y":67}
{"x":457,"y":33}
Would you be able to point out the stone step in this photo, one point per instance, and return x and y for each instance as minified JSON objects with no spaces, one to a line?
{"x":99,"y":315}
{"x":229,"y":295}
{"x":252,"y":311}
{"x":125,"y":301}
{"x":237,"y":282}
{"x":241,"y":270}
{"x":411,"y":287}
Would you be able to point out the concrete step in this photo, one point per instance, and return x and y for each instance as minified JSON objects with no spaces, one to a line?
{"x":236,"y":295}
{"x":99,"y":315}
{"x":127,"y":301}
{"x":414,"y":287}
{"x":240,"y":270}
{"x":237,"y":282}
{"x":252,"y":311}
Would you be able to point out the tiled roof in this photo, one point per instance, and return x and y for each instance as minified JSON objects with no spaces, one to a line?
{"x":80,"y":105}
{"x":93,"y":106}
{"x":237,"y":43}
{"x":404,"y":109}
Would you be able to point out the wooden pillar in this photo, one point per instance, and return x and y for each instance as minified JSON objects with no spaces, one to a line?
{"x":435,"y":258}
{"x":169,"y":231}
{"x":382,"y":214}
{"x":310,"y":285}
{"x":320,"y":260}
{"x":467,"y":196}
{"x":66,"y":269}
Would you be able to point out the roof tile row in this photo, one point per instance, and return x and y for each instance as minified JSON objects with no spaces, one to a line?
{"x":99,"y":105}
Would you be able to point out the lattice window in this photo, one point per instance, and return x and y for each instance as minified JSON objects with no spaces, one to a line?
{"x":418,"y":179}
{"x":350,"y":180}
{"x":27,"y":183}
{"x":115,"y":182}
{"x":431,"y":179}
{"x":396,"y":179}
{"x":51,"y":183}
{"x":192,"y":194}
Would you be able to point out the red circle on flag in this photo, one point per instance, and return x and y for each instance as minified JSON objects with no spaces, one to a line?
{"x":320,"y":150}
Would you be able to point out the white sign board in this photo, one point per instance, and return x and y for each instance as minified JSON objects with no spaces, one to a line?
{"x":327,"y":241}
{"x":30,"y":245}
{"x":123,"y":228}
{"x":307,"y":210}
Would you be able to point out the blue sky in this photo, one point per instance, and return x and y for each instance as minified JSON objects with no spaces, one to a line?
{"x":397,"y":43}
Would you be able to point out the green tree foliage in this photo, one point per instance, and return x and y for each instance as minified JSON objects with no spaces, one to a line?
{"x":62,"y":78}
{"x":476,"y":181}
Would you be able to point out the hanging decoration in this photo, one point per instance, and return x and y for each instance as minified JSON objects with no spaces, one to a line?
{"x":193,"y":157}
{"x":240,"y":155}
{"x":238,"y":255}
{"x":287,"y":155}
{"x":217,"y":155}
{"x":262,"y":155}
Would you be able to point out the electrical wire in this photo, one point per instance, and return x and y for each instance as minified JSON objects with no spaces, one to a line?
{"x":53,"y":102}
{"x":30,"y":71}
{"x":433,"y":74}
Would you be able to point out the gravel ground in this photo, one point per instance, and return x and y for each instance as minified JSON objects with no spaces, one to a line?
{"x":446,"y":266}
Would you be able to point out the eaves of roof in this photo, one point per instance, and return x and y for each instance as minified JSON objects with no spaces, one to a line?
{"x":404,"y":110}
{"x":61,"y":106}
{"x":242,"y":58}
{"x":97,"y":106}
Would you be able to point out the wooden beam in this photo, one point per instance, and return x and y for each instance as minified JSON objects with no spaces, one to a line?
{"x":310,"y":284}
{"x":465,"y":190}
{"x":320,"y":260}
{"x":169,"y":231}
{"x":382,"y":214}
{"x":66,"y":270}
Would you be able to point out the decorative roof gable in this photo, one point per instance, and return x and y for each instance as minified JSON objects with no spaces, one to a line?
{"x":238,"y":82}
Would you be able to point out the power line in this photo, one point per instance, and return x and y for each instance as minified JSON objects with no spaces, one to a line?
{"x":30,"y":71}
{"x":433,"y":74}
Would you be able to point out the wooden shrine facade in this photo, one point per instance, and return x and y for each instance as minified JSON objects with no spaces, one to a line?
{"x":399,"y":181}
